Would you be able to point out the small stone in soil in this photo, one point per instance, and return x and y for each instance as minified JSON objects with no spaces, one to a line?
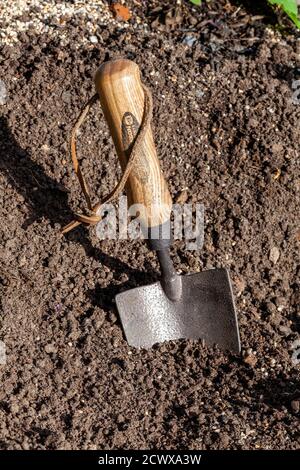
{"x":98,"y":322}
{"x":199,"y":93}
{"x":189,"y":40}
{"x":240,"y":284}
{"x":93,"y":39}
{"x":3,"y":93}
{"x":295,"y":405}
{"x":50,"y":348}
{"x":271,"y":308}
{"x":251,"y":360}
{"x":14,"y":408}
{"x":285,"y":330}
{"x":274,"y":254}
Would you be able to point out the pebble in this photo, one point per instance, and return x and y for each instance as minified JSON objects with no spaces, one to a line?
{"x":93,"y":39}
{"x":240,"y":284}
{"x":225,"y":440}
{"x":66,"y":97}
{"x":182,"y":197}
{"x":3,"y":93}
{"x":97,"y":323}
{"x":251,"y":360}
{"x":271,"y":308}
{"x":199,"y":93}
{"x":189,"y":40}
{"x":285,"y":330}
{"x":120,"y":418}
{"x":14,"y":408}
{"x":274,"y":254}
{"x":295,"y":405}
{"x":112,"y":317}
{"x":50,"y":348}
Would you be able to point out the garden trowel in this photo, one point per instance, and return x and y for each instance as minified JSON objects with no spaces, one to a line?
{"x":189,"y":306}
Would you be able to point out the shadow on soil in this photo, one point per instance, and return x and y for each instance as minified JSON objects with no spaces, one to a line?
{"x":258,"y":8}
{"x":45,"y":197}
{"x":279,"y":392}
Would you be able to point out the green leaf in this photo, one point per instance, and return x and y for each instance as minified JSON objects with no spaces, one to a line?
{"x":290,"y":7}
{"x":196,"y":2}
{"x":287,"y":5}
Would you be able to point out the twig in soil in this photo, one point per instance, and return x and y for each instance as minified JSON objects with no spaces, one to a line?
{"x":243,"y":39}
{"x":236,"y":12}
{"x":38,"y":184}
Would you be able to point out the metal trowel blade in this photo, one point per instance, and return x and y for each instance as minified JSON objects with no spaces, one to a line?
{"x":205,"y":311}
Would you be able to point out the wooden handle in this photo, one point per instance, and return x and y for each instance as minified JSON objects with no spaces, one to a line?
{"x":122,"y":98}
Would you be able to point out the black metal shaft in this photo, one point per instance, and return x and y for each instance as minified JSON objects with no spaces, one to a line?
{"x":170,"y":281}
{"x":160,"y":240}
{"x":166,"y":263}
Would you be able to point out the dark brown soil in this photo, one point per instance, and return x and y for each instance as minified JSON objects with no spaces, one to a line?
{"x":225,"y":127}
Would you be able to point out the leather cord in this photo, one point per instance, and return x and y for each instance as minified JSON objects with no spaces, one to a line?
{"x":92,"y":217}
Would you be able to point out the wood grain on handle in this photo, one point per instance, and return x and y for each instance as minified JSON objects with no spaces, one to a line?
{"x":121,"y":95}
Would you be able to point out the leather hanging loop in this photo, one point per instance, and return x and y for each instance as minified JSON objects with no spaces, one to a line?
{"x":92,"y":218}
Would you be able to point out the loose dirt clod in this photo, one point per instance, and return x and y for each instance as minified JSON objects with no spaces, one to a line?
{"x":250,"y":359}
